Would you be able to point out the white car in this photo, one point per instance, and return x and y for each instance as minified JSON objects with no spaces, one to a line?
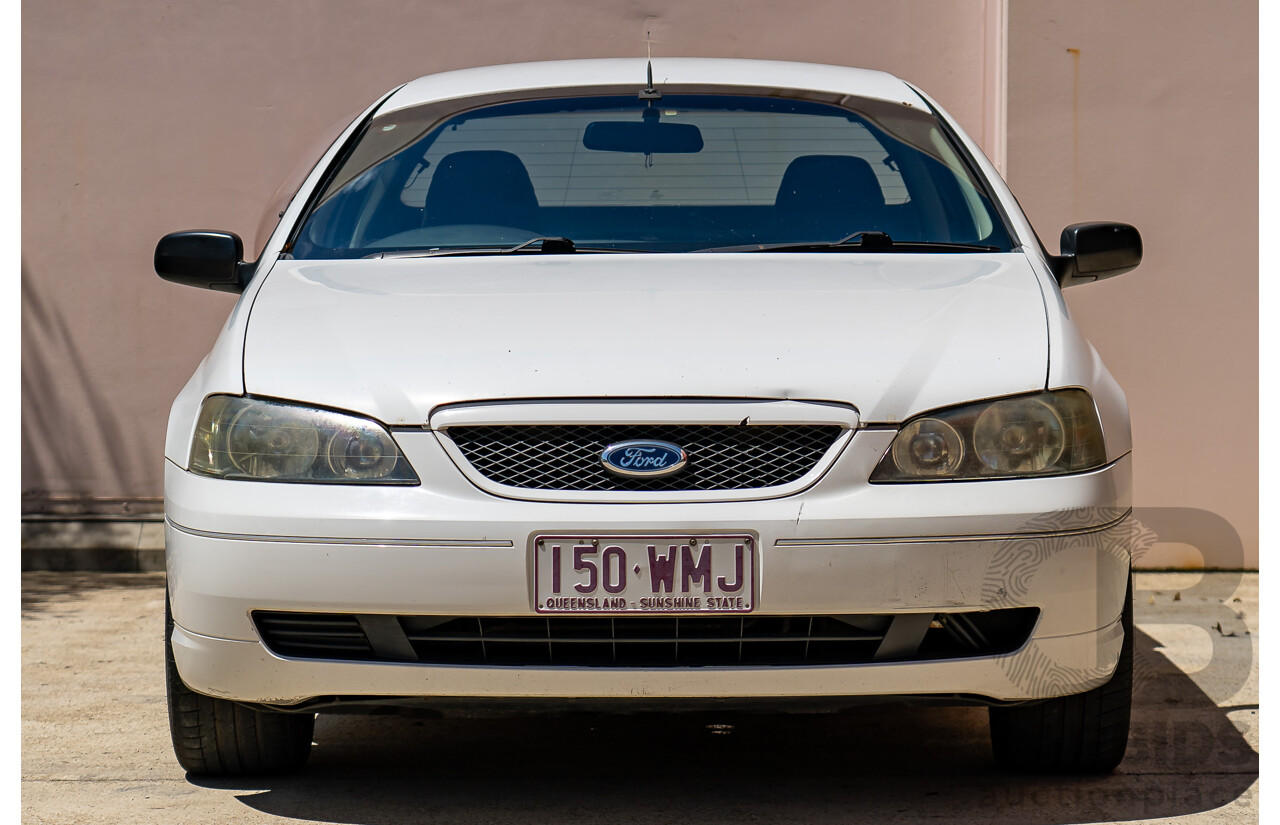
{"x":712,"y":383}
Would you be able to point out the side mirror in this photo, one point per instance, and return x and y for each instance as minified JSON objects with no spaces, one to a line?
{"x":1094,"y":251}
{"x":209,"y":260}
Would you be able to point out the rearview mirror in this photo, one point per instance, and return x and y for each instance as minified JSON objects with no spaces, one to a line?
{"x":648,"y":137}
{"x":209,"y":260}
{"x":1094,"y":251}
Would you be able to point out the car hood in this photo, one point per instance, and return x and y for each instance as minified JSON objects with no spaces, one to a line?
{"x":891,"y":334}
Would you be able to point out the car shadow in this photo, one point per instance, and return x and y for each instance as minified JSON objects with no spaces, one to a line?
{"x":47,"y":591}
{"x":877,"y":763}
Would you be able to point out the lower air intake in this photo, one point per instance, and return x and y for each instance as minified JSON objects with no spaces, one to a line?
{"x":665,"y":641}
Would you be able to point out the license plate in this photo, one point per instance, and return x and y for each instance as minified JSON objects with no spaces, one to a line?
{"x":644,"y":574}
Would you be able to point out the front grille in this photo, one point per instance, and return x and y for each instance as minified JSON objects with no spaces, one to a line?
{"x":666,"y":641}
{"x":567,"y":457}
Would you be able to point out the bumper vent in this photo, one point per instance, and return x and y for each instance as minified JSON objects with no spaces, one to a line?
{"x":314,"y":635}
{"x":648,"y":641}
{"x":567,"y":457}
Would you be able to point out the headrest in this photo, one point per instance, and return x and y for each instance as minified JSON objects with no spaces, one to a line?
{"x":480,"y":186}
{"x":830,"y":182}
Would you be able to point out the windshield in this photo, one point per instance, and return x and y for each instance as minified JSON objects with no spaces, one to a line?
{"x":614,"y":173}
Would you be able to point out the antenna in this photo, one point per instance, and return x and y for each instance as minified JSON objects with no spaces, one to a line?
{"x":648,"y":92}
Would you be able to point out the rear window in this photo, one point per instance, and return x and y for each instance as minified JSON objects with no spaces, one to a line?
{"x":679,"y":174}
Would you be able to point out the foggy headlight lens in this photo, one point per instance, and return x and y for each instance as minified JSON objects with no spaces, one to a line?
{"x":928,"y":447}
{"x":361,"y":454}
{"x":1018,"y":435}
{"x":250,"y":438}
{"x":1048,"y":433}
{"x":264,"y":442}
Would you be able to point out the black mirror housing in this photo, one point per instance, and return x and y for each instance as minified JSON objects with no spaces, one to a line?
{"x":203,"y":258}
{"x":1094,"y":251}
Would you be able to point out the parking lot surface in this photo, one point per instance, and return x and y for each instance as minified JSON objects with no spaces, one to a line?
{"x":95,"y":741}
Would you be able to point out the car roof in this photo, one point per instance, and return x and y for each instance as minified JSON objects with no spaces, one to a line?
{"x":631,"y":71}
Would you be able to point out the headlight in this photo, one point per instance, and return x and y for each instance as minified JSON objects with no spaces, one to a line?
{"x":1048,"y":433}
{"x":928,"y":447}
{"x":248,"y":438}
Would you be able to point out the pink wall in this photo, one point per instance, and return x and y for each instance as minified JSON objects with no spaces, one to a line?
{"x":1147,"y":112}
{"x":142,"y":117}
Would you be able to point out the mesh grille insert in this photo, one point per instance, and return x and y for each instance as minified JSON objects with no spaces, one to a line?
{"x":567,"y":457}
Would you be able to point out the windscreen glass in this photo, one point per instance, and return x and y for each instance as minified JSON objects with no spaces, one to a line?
{"x":679,"y":174}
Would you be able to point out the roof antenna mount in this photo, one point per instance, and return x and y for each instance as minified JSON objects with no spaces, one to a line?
{"x":648,"y":92}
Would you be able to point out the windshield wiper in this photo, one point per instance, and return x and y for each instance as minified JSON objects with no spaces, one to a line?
{"x":548,"y":246}
{"x":866,"y":242}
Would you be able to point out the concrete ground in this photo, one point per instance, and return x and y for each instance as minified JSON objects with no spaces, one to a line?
{"x":95,"y":741}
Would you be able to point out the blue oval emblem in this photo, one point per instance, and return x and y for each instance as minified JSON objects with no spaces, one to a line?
{"x":643,"y":458}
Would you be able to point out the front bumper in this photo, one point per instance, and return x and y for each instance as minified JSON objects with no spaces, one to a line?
{"x":841,"y":547}
{"x":246,"y":671}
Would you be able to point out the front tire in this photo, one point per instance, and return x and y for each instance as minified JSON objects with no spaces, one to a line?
{"x":216,"y":737}
{"x":1085,"y":733}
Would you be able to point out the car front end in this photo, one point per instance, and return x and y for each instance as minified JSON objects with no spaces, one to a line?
{"x":470,"y":464}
